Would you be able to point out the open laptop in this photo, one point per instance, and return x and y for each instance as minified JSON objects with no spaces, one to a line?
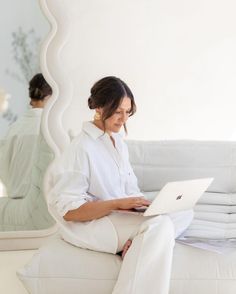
{"x":176,"y":196}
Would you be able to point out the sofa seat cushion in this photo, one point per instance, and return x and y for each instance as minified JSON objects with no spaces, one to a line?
{"x":59,"y":268}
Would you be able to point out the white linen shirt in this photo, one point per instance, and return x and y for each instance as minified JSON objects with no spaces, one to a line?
{"x":18,"y":152}
{"x":91,"y":169}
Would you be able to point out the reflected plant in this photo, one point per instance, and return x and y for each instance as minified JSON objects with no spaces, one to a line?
{"x":10,"y":116}
{"x":25,"y":50}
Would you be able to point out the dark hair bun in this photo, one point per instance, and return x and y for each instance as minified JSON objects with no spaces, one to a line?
{"x":91,"y":103}
{"x":35,"y":93}
{"x":39,"y":88}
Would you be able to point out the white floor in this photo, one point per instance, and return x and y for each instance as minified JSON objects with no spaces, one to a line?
{"x":10,"y":261}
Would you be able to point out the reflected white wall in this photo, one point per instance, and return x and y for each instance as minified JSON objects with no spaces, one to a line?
{"x":177,"y":56}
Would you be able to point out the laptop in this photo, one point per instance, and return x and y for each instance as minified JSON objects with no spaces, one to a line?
{"x":176,"y":196}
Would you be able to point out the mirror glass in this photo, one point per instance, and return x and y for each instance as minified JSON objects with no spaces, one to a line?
{"x":22,"y":27}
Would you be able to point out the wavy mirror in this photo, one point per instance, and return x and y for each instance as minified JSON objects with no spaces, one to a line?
{"x":23,"y":27}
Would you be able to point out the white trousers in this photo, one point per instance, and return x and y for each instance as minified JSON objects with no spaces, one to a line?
{"x":146,"y":268}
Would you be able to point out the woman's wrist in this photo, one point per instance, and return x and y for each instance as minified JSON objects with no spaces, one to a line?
{"x":113,"y":204}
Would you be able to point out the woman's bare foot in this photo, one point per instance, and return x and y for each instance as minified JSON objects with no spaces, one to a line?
{"x":126,"y":248}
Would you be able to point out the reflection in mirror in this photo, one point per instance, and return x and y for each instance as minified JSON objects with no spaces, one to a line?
{"x":24,"y":155}
{"x":22,"y":27}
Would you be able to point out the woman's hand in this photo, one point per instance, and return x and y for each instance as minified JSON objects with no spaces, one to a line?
{"x":131,"y":202}
{"x":97,"y":209}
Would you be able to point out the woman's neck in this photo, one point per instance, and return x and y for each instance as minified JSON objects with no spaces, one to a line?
{"x":99,"y":124}
{"x":37,"y":104}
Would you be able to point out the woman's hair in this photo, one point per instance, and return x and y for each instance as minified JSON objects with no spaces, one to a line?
{"x":108,"y":94}
{"x":39,"y":88}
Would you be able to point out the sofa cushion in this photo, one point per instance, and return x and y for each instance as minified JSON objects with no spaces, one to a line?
{"x":158,"y":162}
{"x":59,"y":268}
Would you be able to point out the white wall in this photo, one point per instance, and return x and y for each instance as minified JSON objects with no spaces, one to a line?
{"x":178,"y":57}
{"x":14,"y":13}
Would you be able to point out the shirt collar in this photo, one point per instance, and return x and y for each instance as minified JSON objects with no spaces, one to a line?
{"x":94,"y":132}
{"x":32,"y":112}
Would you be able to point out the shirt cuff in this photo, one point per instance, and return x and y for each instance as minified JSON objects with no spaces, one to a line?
{"x":64,"y":207}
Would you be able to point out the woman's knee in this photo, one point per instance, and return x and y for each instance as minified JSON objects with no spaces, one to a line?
{"x":160,"y":222}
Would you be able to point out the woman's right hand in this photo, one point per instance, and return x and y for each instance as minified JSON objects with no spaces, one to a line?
{"x":97,"y":209}
{"x":131,"y":202}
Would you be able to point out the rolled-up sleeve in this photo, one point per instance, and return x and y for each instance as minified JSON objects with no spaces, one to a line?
{"x":70,"y":181}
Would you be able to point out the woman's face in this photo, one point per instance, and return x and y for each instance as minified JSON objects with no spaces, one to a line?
{"x":117,"y":120}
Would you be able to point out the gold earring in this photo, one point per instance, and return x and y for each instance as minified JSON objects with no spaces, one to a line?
{"x":97,"y":116}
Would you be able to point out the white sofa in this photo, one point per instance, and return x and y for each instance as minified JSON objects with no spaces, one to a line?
{"x":60,"y":268}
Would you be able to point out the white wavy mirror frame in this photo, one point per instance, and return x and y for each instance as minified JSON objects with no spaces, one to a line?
{"x":52,"y":127}
{"x":175,"y":55}
{"x":23,"y":27}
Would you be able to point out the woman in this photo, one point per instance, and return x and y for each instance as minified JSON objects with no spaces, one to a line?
{"x":24,"y":157}
{"x":18,"y":147}
{"x":94,"y":180}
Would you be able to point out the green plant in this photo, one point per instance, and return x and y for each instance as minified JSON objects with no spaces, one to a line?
{"x":25,"y":50}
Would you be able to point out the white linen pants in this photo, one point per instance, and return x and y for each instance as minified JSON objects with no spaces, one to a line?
{"x":146,"y":268}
